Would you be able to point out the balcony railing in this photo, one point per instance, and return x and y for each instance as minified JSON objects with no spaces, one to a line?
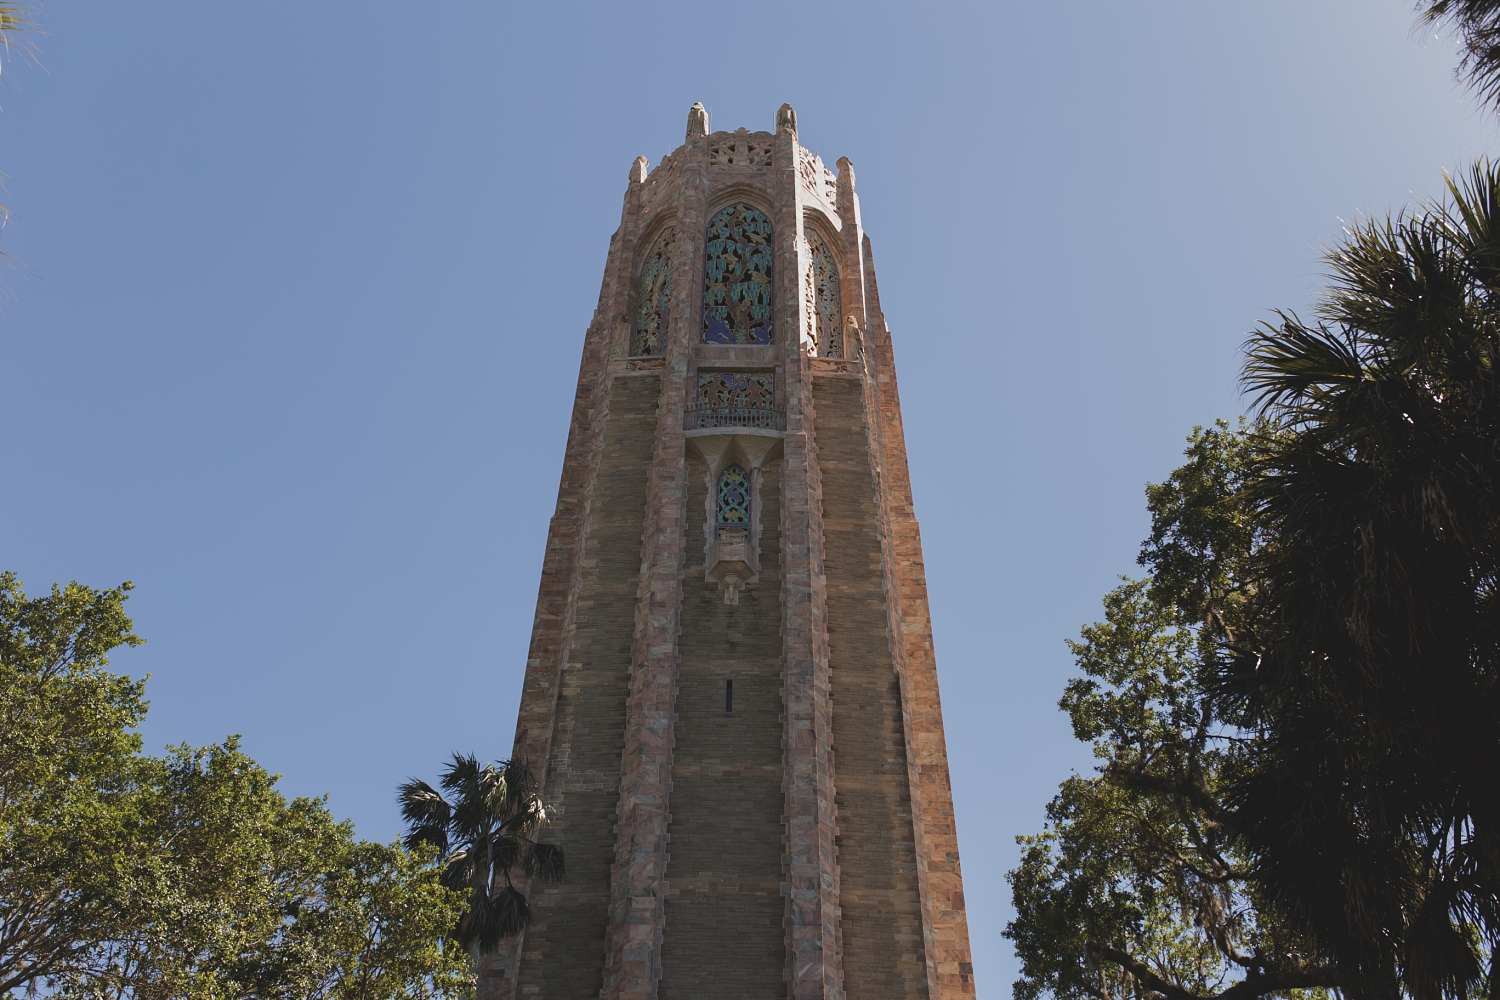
{"x":701,"y":417}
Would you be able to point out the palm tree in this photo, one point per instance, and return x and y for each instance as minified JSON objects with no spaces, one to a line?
{"x":15,"y":21}
{"x":484,"y":834}
{"x":1478,"y":24}
{"x":1372,"y":672}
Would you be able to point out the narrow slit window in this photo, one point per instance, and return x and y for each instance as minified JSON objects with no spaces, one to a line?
{"x":729,"y":696}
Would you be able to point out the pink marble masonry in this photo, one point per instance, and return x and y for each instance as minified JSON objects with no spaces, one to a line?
{"x":868,"y":866}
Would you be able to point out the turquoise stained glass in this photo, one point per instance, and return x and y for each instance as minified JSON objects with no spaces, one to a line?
{"x":737,"y":285}
{"x":656,"y":292}
{"x":734,"y":498}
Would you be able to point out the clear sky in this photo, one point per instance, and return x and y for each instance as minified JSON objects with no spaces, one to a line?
{"x":309,"y":284}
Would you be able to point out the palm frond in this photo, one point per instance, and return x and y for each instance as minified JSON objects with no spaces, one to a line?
{"x":17,"y":20}
{"x":493,"y":918}
{"x":1292,"y":364}
{"x":459,"y":872}
{"x":427,"y":815}
{"x":545,"y":862}
{"x":1478,"y":22}
{"x":505,"y":853}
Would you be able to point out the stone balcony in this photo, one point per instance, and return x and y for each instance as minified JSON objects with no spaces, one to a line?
{"x":700,"y":418}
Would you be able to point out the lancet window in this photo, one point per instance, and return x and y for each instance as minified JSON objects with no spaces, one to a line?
{"x":737,"y":286}
{"x":655,"y":294}
{"x":825,"y":319}
{"x":733,"y":507}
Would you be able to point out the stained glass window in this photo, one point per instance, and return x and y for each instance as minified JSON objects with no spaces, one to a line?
{"x":656,"y":292}
{"x":733,"y":510}
{"x":737,"y":287}
{"x":825,"y":320}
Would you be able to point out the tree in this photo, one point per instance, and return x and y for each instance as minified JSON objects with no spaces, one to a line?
{"x":128,"y":876}
{"x":1372,"y":669}
{"x":485,"y":834}
{"x":1478,"y":26}
{"x":1138,"y":886}
{"x":16,"y":22}
{"x":68,"y":764}
{"x":1299,"y":710}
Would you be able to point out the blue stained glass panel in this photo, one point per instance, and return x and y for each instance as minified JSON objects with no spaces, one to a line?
{"x":737,"y":285}
{"x":734,"y":498}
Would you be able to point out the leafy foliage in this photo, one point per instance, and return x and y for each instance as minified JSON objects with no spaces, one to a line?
{"x":1373,"y":668}
{"x":1137,"y":887}
{"x":1298,"y":712}
{"x":124,"y":875}
{"x":485,"y":833}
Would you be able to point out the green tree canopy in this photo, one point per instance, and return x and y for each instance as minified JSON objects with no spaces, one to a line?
{"x":1138,"y":886}
{"x":1371,"y":672}
{"x":1297,"y":712}
{"x":124,"y":875}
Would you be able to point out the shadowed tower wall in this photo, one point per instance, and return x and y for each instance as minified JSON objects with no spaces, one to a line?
{"x":731,"y":697}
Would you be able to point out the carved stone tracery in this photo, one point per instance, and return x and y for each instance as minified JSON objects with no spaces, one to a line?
{"x":823,"y":309}
{"x":740,"y":148}
{"x":655,"y":295}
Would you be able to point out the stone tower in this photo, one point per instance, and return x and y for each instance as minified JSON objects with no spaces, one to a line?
{"x":731,"y":698}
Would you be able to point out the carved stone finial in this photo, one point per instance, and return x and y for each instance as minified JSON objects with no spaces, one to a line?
{"x":697,"y":120}
{"x":638,"y":170}
{"x":786,"y":120}
{"x":846,"y":172}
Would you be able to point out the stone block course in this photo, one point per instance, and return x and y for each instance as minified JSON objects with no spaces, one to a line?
{"x":563,"y":954}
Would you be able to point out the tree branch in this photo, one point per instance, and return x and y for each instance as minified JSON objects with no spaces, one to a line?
{"x":1253,"y":985}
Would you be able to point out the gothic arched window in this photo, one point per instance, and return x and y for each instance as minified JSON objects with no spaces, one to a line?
{"x":737,"y":286}
{"x":825,"y":313}
{"x":656,"y":292}
{"x":733,"y":507}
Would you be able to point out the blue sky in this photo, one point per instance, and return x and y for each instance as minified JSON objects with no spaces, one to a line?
{"x":308,"y":285}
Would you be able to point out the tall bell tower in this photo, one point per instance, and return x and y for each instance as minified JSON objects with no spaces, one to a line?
{"x":731,"y":697}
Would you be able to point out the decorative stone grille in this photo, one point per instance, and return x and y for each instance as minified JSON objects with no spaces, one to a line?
{"x":741,"y":148}
{"x":825,"y":320}
{"x":655,"y":294}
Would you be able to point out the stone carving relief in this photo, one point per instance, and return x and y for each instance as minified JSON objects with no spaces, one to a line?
{"x":824,"y":309}
{"x":817,"y":179}
{"x":852,"y":346}
{"x":697,"y":123}
{"x":737,"y":283}
{"x":661,"y":181}
{"x":834,"y":366}
{"x":736,"y":390}
{"x":741,"y":148}
{"x":786,"y":119}
{"x":655,"y":295}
